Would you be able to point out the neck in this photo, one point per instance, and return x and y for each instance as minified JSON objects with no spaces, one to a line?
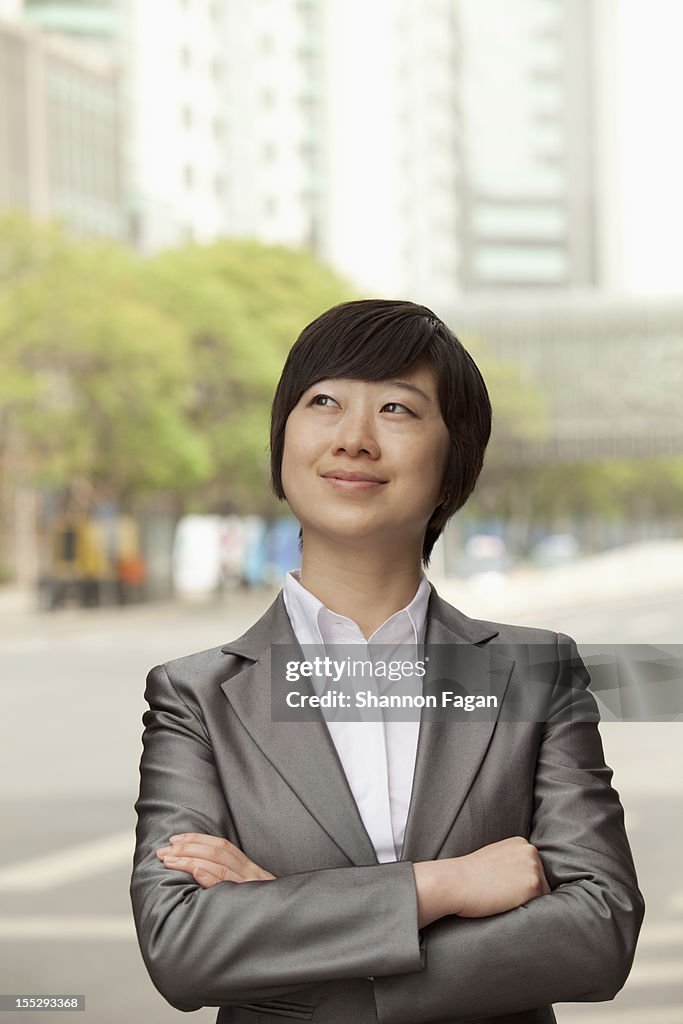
{"x":368,"y":588}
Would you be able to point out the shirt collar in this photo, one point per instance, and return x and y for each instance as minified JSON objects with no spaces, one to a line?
{"x":314,"y":623}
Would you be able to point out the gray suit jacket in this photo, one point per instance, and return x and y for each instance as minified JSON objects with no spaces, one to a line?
{"x":304,"y":945}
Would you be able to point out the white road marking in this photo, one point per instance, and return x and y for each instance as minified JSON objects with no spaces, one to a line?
{"x":70,"y":865}
{"x":661,"y":972}
{"x":634,"y":1015}
{"x":661,"y":933}
{"x":95,"y":927}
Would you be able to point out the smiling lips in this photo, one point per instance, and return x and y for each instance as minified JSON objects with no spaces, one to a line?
{"x":349,"y":481}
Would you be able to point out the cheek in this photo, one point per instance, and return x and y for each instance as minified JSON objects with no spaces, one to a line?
{"x":295,"y":459}
{"x":426,"y":462}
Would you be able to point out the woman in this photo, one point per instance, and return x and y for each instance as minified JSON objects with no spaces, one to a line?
{"x":436,"y":868}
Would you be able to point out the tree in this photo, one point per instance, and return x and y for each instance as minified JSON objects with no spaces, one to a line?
{"x":94,"y":376}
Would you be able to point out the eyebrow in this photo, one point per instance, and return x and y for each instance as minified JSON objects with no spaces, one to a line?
{"x":408,"y":387}
{"x":413,"y":388}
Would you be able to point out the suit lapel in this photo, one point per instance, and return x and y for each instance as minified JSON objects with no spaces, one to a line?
{"x":448,"y":754}
{"x":301,"y":751}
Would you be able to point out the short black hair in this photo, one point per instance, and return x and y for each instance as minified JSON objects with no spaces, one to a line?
{"x":373,"y":340}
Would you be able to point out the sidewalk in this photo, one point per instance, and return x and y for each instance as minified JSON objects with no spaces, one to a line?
{"x":647,"y":569}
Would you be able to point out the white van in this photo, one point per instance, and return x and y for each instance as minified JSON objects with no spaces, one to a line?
{"x":198,"y":555}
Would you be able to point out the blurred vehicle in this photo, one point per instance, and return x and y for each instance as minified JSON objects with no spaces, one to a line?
{"x":283,"y":549}
{"x":212,"y":553}
{"x":197,"y":556}
{"x":254,"y":563}
{"x":92,"y":560}
{"x":233,"y":543}
{"x":555,"y":549}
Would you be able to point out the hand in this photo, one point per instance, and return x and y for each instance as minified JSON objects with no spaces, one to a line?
{"x":492,"y":880}
{"x":210,"y":859}
{"x":498,"y":877}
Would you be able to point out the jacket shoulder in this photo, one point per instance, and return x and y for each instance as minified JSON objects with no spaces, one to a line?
{"x":196,"y":676}
{"x":512,"y":633}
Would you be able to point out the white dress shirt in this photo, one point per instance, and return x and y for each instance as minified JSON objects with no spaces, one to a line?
{"x":378,"y":757}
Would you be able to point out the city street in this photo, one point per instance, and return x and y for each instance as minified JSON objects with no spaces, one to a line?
{"x":69,"y":784}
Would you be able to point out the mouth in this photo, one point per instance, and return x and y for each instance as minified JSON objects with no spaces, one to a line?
{"x":359,"y":483}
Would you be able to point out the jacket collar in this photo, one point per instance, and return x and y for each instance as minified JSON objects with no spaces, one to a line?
{"x":274,"y":627}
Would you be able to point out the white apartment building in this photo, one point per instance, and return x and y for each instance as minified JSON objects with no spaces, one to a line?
{"x":217,"y":113}
{"x":422,"y":148}
{"x":391,"y":145}
{"x":529,"y":176}
{"x":60,"y":135}
{"x":330,"y":124}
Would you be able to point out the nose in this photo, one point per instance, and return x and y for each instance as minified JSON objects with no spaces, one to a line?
{"x":355,"y":435}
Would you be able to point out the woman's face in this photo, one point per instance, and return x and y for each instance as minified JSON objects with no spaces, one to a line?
{"x":390,"y":431}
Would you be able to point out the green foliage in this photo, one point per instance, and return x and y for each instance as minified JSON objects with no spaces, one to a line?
{"x":633,"y":488}
{"x":146,"y":375}
{"x":95,"y":377}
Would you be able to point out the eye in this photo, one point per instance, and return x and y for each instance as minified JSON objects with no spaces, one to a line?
{"x":398,"y":405}
{"x":314,"y":400}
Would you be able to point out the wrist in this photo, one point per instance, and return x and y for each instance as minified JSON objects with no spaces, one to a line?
{"x":454,"y":886}
{"x":434,"y":895}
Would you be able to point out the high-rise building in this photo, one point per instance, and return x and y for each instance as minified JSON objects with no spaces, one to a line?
{"x":93,"y":22}
{"x":218,"y":110}
{"x":331,"y":124}
{"x":420,"y":148}
{"x":528,"y":187}
{"x":60,"y":135}
{"x":391,"y":143}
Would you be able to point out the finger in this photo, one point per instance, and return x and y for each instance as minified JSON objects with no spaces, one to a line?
{"x":192,"y":865}
{"x":213,"y":872}
{"x":222,"y":854}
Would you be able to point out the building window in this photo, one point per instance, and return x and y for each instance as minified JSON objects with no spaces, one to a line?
{"x":218,"y":128}
{"x":188,"y":175}
{"x":187,"y":117}
{"x":519,"y":221}
{"x":219,"y":185}
{"x":515,"y":263}
{"x":185,"y":57}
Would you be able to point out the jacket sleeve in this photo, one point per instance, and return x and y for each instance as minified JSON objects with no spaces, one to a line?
{"x":243,"y":941}
{"x":575,"y":944}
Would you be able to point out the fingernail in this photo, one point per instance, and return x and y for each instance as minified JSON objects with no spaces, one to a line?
{"x":174,"y":838}
{"x":163,"y":850}
{"x":171,"y":860}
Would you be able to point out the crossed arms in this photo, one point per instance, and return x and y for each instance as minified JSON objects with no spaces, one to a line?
{"x":213,"y":944}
